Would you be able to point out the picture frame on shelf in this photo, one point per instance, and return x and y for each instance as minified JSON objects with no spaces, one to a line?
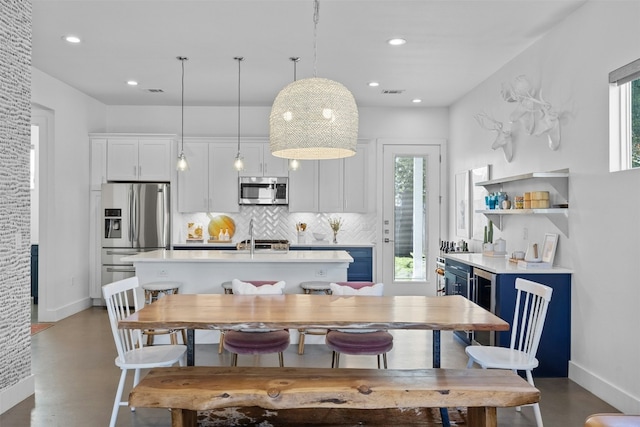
{"x":549,"y":246}
{"x":478,"y":193}
{"x":461,"y":208}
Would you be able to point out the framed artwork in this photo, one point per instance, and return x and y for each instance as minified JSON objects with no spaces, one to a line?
{"x":478,"y":220}
{"x":462,"y":211}
{"x":549,"y":247}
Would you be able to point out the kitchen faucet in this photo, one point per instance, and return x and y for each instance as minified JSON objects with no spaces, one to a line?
{"x":252,"y":241}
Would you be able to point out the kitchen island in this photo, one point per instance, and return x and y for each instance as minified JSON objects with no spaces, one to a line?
{"x":204,"y":271}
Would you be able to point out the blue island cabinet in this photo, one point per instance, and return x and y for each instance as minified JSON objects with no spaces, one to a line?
{"x":554,"y":351}
{"x":360,"y":270}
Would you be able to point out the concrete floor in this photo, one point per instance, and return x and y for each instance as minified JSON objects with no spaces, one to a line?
{"x":76,"y":378}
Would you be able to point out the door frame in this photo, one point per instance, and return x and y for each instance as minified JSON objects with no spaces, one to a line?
{"x":442,"y":220}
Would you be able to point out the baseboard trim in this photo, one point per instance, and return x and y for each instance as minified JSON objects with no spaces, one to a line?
{"x":65,"y":311}
{"x":613,"y":395}
{"x":15,"y":394}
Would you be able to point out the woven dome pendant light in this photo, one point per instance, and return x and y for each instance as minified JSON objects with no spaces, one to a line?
{"x":314,"y":118}
{"x":182,"y":164}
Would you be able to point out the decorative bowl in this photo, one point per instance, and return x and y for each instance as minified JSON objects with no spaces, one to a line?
{"x":319,"y":236}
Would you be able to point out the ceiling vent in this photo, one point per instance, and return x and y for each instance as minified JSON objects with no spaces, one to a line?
{"x":155,"y":90}
{"x":392,"y":91}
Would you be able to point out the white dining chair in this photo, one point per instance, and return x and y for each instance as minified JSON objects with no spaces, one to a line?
{"x":532,"y":301}
{"x":122,"y":301}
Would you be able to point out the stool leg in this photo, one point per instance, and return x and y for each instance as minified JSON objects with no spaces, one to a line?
{"x":221,"y":344}
{"x":301,"y":343}
{"x":281,"y":359}
{"x":234,"y":359}
{"x":184,"y":336}
{"x":384,"y":358}
{"x":173,"y":338}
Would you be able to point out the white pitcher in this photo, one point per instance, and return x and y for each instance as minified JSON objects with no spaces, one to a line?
{"x":500,"y":246}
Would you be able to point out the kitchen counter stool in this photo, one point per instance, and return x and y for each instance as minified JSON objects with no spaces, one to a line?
{"x":153,"y":291}
{"x":312,"y":287}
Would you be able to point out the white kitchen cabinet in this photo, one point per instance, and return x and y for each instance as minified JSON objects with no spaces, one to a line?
{"x":139,"y":159}
{"x":211,"y":183}
{"x":331,"y":185}
{"x":98,"y":163}
{"x":95,"y":244}
{"x":303,"y":187}
{"x":359,"y":180}
{"x":258,"y":160}
{"x":341,"y":185}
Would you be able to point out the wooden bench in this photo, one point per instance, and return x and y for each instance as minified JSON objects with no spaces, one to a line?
{"x":187,"y":390}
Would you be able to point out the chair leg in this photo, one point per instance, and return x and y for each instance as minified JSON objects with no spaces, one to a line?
{"x":301,"y":342}
{"x":116,"y":402}
{"x":333,"y":359}
{"x":536,"y":406}
{"x":337,"y":359}
{"x":234,"y":359}
{"x":174,"y":338}
{"x":150,"y":339}
{"x":184,"y":336}
{"x":384,"y":358}
{"x":470,"y":363}
{"x":378,"y":357}
{"x":281,"y":359}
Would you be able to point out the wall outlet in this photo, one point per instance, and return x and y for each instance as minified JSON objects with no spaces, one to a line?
{"x":321,"y":273}
{"x":162,"y":273}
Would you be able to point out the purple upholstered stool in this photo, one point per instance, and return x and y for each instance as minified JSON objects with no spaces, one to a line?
{"x":240,"y":342}
{"x":256,"y":341}
{"x":365,"y":343}
{"x":358,"y":341}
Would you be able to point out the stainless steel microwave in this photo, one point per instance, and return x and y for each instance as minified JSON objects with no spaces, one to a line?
{"x":263,"y":190}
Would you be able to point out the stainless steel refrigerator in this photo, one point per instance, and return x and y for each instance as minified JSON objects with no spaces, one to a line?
{"x":135,"y":218}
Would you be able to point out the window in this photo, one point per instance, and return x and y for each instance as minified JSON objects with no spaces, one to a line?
{"x":624,"y":117}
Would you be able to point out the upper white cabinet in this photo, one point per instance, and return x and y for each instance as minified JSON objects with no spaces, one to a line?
{"x":303,"y":187}
{"x":342,"y":185}
{"x":211,"y":183}
{"x":98,"y":166}
{"x":258,"y":160}
{"x":145,"y":158}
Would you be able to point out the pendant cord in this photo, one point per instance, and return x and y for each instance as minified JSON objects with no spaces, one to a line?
{"x":316,"y":17}
{"x":182,"y":109}
{"x":239,"y":59}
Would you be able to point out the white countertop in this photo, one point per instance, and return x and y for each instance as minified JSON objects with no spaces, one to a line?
{"x":501,"y":265}
{"x":208,"y":256}
{"x":312,"y":244}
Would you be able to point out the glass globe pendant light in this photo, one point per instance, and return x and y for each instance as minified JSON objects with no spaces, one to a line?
{"x":238,"y":163}
{"x":182,"y":164}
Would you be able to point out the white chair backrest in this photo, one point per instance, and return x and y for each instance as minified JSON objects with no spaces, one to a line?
{"x":118,"y":296}
{"x":529,"y":316}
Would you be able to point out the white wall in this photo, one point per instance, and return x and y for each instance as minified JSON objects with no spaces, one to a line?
{"x":64,"y":202}
{"x":571,"y":66}
{"x":414,"y":122}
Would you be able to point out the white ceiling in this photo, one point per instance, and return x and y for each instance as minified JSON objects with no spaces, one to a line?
{"x":452,"y":46}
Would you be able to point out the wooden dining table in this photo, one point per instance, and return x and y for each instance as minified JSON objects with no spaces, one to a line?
{"x":296,"y":311}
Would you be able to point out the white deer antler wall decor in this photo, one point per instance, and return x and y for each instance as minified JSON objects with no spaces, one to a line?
{"x":536,"y":115}
{"x":503,"y":137}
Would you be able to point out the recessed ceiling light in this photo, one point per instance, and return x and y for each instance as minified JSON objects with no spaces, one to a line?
{"x":396,"y":42}
{"x":374,"y":84}
{"x":416,"y":101}
{"x":71,"y":39}
{"x":132,"y":83}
